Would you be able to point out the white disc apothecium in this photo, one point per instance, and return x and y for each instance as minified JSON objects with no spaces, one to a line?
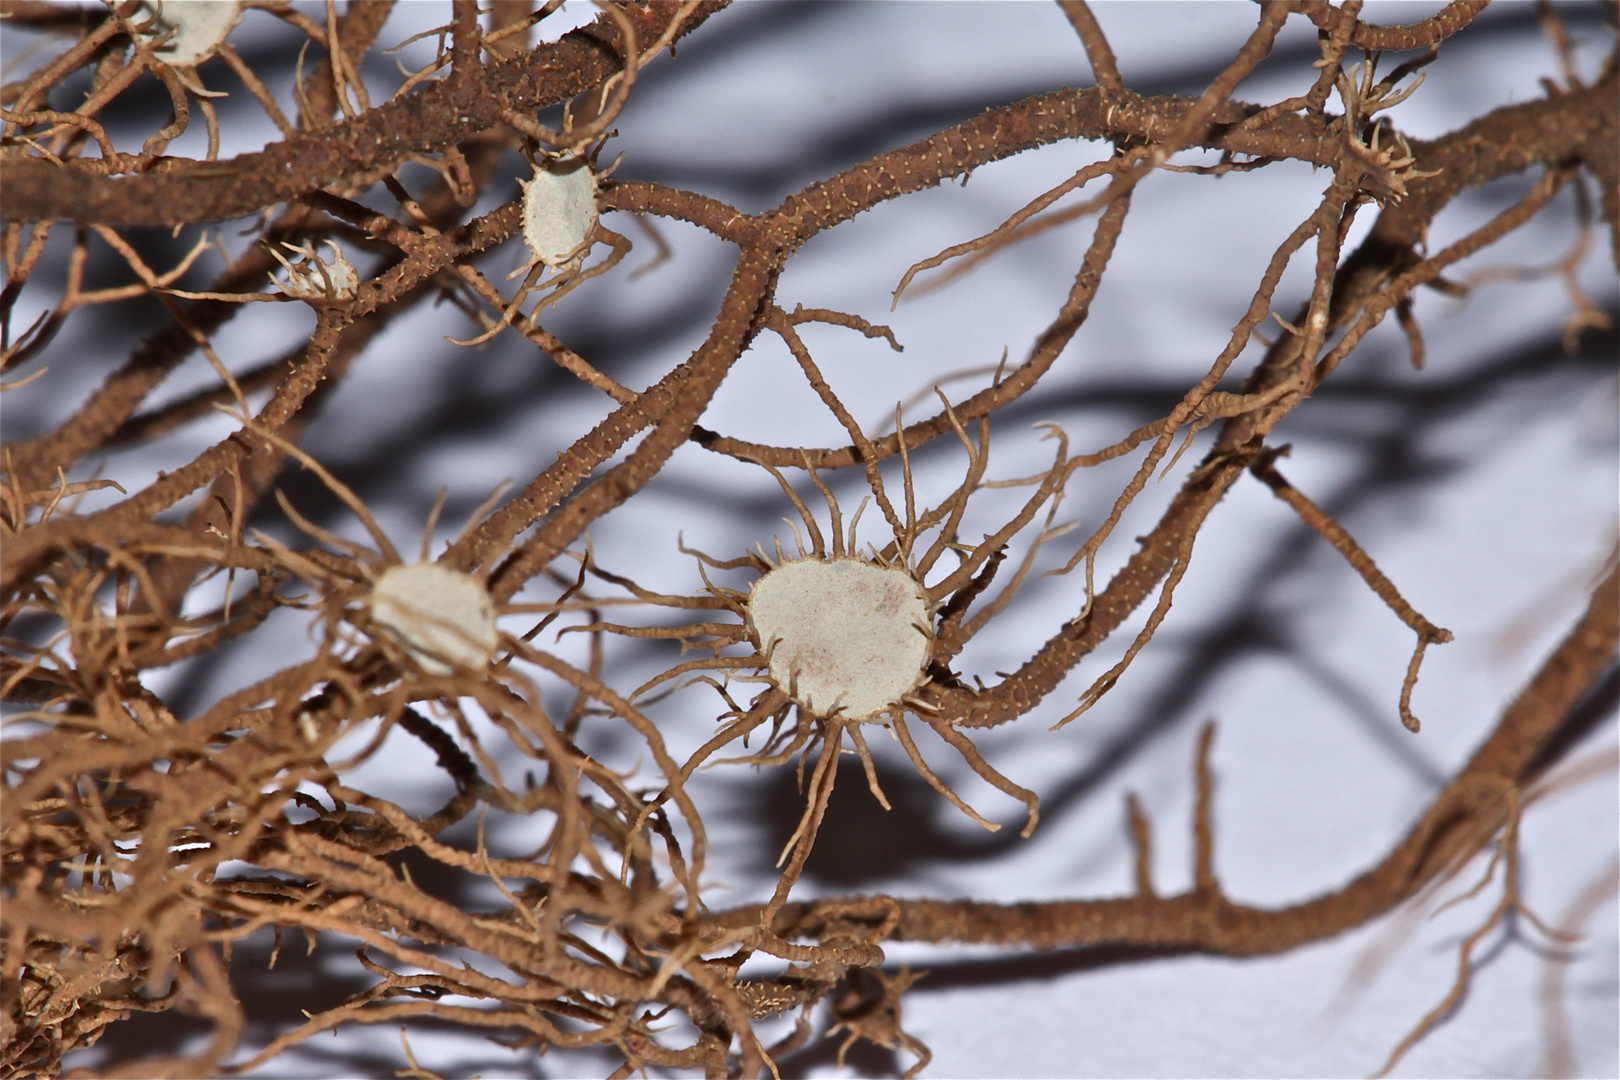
{"x":841,"y":633}
{"x":194,"y":28}
{"x":559,"y":208}
{"x":313,"y":278}
{"x":441,"y":616}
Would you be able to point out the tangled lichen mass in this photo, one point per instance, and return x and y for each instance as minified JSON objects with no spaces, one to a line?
{"x":503,"y":790}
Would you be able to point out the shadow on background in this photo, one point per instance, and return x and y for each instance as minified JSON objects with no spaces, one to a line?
{"x":861,"y":845}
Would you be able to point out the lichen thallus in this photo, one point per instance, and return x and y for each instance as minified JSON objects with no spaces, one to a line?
{"x":426,"y":614}
{"x":843,"y":638}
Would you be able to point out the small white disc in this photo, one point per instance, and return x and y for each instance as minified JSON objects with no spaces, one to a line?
{"x":441,"y":616}
{"x":559,"y":208}
{"x":841,"y":633}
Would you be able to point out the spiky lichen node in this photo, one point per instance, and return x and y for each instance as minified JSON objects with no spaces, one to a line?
{"x":443,"y":617}
{"x":193,"y":28}
{"x":559,"y":208}
{"x":842,"y":634}
{"x":313,"y":278}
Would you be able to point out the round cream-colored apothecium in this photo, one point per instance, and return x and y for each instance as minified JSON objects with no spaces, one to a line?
{"x":313,"y":278}
{"x":197,"y":27}
{"x":559,"y":208}
{"x":443,"y":617}
{"x":842,"y":634}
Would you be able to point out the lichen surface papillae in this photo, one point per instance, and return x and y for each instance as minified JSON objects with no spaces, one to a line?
{"x":842,"y":634}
